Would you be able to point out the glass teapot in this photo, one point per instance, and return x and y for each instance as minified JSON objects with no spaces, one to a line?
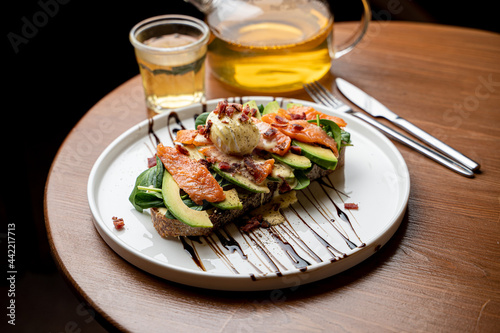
{"x":273,"y":46}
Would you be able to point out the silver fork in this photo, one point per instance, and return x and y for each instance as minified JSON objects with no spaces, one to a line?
{"x":321,"y":95}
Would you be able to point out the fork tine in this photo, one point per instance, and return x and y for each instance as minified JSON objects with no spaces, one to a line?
{"x":312,"y":92}
{"x":317,"y":95}
{"x":327,"y":94}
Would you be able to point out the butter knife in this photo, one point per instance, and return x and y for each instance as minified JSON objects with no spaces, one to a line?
{"x":377,"y":109}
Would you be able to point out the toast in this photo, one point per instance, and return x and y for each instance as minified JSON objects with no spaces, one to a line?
{"x":172,"y":228}
{"x":255,"y":158}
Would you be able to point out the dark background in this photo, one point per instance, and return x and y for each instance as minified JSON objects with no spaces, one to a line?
{"x":74,"y":58}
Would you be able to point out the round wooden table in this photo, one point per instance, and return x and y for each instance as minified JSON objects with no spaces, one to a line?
{"x":440,"y":271}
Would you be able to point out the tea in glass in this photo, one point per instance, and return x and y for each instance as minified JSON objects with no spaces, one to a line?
{"x":171,"y":52}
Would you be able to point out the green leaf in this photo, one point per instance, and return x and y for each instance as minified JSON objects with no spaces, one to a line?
{"x":302,"y":180}
{"x":201,"y":119}
{"x":346,"y":138}
{"x":152,"y":177}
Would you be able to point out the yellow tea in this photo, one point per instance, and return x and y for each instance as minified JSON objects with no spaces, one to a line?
{"x":174,"y":80}
{"x":276,"y":50}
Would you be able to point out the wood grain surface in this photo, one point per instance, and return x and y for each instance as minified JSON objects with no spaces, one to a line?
{"x":441,"y":270}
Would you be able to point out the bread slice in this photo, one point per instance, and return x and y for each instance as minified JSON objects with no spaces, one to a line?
{"x":172,"y":228}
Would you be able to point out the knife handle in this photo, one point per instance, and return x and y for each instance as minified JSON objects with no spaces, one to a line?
{"x":432,"y":154}
{"x":439,"y":145}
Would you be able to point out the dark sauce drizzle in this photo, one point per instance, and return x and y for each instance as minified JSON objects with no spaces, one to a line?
{"x":341,"y":213}
{"x":173,"y":115}
{"x":217,"y":250}
{"x":192,"y":252}
{"x":296,"y":260}
{"x":271,"y":260}
{"x":336,"y":254}
{"x":151,"y":132}
{"x":230,"y":243}
{"x":292,"y":234}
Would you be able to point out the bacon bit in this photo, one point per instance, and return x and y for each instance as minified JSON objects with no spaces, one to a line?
{"x":282,"y":146}
{"x":284,"y":186}
{"x":204,"y":162}
{"x":252,"y":223}
{"x":201,"y":129}
{"x":181,"y":149}
{"x":246,"y":110}
{"x":207,"y":129}
{"x":350,"y":206}
{"x":118,"y":223}
{"x":279,"y":125}
{"x":152,"y":161}
{"x":258,"y":171}
{"x":296,"y":150}
{"x":297,"y":127}
{"x":281,"y":120}
{"x":224,"y":166}
{"x":271,"y":132}
{"x":221,"y":107}
{"x":253,"y":112}
{"x":244,"y":118}
{"x":297,"y":116}
{"x":225,"y":109}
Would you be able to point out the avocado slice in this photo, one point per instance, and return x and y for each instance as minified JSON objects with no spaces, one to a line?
{"x":323,"y":157}
{"x":253,"y":105}
{"x":175,"y":205}
{"x":293,"y":160}
{"x":241,"y":181}
{"x":281,"y":170}
{"x":271,"y":107}
{"x":232,"y":201}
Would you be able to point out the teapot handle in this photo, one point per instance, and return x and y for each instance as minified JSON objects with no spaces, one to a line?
{"x":355,"y":38}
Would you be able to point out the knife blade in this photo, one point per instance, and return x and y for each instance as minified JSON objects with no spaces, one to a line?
{"x":378,"y":110}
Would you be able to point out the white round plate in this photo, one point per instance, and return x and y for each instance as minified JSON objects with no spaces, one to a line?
{"x":313,"y":244}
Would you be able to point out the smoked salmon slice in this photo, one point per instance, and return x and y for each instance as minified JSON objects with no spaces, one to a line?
{"x":310,"y":113}
{"x":246,"y":165}
{"x":186,"y":136}
{"x":191,"y":176}
{"x":301,"y":130}
{"x":271,"y":139}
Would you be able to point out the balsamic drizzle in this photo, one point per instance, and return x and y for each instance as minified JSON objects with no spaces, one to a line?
{"x":296,"y":260}
{"x":192,"y":252}
{"x":173,"y":115}
{"x":271,"y":259}
{"x":151,"y":132}
{"x":333,"y":251}
{"x":341,"y":213}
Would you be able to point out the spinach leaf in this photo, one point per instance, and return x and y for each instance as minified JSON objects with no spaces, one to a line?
{"x":201,"y":119}
{"x":346,"y":138}
{"x":302,"y":180}
{"x":151,"y":177}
